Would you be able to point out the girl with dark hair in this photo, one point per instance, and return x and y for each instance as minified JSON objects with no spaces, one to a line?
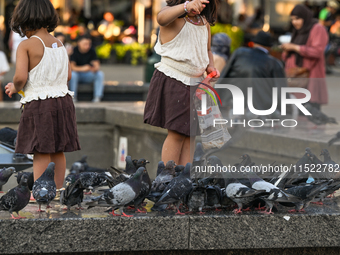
{"x":47,"y":125}
{"x":306,"y":49}
{"x":184,"y":46}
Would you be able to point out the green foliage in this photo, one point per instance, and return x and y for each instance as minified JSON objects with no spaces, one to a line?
{"x":235,"y":33}
{"x":138,"y":51}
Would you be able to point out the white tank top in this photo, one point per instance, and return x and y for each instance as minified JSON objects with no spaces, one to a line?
{"x":185,"y":56}
{"x":48,"y":79}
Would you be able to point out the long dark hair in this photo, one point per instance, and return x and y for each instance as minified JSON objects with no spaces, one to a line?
{"x":209,"y":12}
{"x":30,"y":15}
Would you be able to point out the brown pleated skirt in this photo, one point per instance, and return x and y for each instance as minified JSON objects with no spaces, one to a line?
{"x":48,"y":126}
{"x":170,"y":105}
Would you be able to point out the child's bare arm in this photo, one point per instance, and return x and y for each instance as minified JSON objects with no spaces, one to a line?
{"x":169,"y":13}
{"x":211,"y":66}
{"x":69,"y":76}
{"x":21,"y":70}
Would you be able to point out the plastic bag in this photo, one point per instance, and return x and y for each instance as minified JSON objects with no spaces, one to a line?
{"x":213,"y":135}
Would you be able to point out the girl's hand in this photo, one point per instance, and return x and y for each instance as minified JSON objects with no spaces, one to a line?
{"x":211,"y":69}
{"x":10,"y":89}
{"x":196,"y":6}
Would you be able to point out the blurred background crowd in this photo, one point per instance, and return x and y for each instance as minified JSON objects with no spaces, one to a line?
{"x":124,"y":32}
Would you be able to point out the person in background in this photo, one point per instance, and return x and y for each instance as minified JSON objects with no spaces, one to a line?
{"x":306,"y":49}
{"x":14,"y":40}
{"x":220,"y":47}
{"x":86,"y":68}
{"x":252,"y":67}
{"x":4,"y":68}
{"x":326,"y":15}
{"x":61,"y":37}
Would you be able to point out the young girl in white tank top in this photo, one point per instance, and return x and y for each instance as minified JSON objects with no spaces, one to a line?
{"x":184,"y":46}
{"x":48,"y":124}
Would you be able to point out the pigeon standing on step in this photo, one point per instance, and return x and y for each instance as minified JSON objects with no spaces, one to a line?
{"x":163,"y":179}
{"x":306,"y":193}
{"x":16,"y":199}
{"x":274,"y":194}
{"x":236,"y":191}
{"x":196,"y":198}
{"x":123,"y":193}
{"x":44,"y":188}
{"x":72,"y":195}
{"x":178,"y":189}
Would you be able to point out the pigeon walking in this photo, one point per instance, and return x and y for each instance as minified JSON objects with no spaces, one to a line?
{"x":16,"y":199}
{"x":44,"y":188}
{"x":178,"y":189}
{"x":163,"y":179}
{"x":123,"y":193}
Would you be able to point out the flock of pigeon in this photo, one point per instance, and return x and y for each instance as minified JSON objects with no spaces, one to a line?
{"x":175,"y":188}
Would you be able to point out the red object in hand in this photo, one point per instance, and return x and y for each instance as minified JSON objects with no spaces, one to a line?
{"x":207,"y":79}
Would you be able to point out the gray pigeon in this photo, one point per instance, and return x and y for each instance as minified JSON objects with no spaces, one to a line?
{"x":306,"y":193}
{"x":177,"y":189}
{"x":44,"y":188}
{"x":160,"y":167}
{"x":16,"y":199}
{"x":196,"y":198}
{"x":5,"y":174}
{"x":122,"y":194}
{"x":236,"y":191}
{"x":334,"y":139}
{"x":274,"y":194}
{"x":163,"y":179}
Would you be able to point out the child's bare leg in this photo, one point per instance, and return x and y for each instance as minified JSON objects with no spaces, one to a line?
{"x":187,"y":154}
{"x":60,"y":168}
{"x":172,"y":146}
{"x":40,"y":163}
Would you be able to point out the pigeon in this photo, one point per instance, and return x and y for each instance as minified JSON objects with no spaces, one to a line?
{"x":320,"y":170}
{"x":199,"y":159}
{"x":160,"y":167}
{"x":236,"y":191}
{"x":72,"y":195}
{"x":214,"y":196}
{"x":178,"y":170}
{"x":8,"y":135}
{"x":16,"y":199}
{"x":274,"y":194}
{"x":333,"y":166}
{"x":300,"y":171}
{"x":334,"y":139}
{"x":44,"y":188}
{"x":91,"y":180}
{"x":246,"y":160}
{"x":30,"y":178}
{"x":306,"y":193}
{"x":145,"y":190}
{"x":196,"y":198}
{"x":5,"y":174}
{"x":177,"y":189}
{"x":328,"y":190}
{"x":163,"y":179}
{"x":123,"y":193}
{"x":318,"y":117}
